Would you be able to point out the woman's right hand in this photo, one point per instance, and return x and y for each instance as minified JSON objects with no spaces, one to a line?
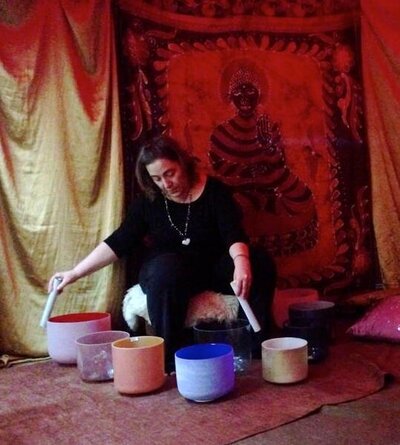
{"x":67,"y":277}
{"x":101,"y":256}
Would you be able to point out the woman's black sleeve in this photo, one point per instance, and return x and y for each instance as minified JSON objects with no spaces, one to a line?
{"x":229,"y":216}
{"x":130,"y":233}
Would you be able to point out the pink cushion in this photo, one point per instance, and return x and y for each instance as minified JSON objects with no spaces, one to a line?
{"x":382,"y":322}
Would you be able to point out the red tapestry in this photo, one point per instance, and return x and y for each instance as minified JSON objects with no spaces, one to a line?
{"x":273,"y":107}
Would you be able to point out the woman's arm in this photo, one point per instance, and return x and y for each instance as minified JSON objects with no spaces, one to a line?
{"x":242,"y":275}
{"x":229,"y":217}
{"x":100,"y":257}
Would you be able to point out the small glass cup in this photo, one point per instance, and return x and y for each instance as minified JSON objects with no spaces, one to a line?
{"x":94,"y":356}
{"x":235,"y":333}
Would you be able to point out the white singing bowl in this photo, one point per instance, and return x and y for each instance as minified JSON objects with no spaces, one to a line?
{"x":63,"y":330}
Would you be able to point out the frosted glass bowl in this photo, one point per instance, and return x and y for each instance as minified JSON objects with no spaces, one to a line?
{"x":205,"y":372}
{"x":63,"y":330}
{"x":94,"y":357}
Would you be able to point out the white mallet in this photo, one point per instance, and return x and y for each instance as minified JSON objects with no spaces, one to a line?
{"x":50,"y":302}
{"x":247,"y":310}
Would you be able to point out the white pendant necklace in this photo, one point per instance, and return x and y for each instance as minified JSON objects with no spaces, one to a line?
{"x":185,"y":238}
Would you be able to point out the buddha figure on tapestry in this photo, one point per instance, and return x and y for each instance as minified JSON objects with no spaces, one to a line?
{"x":246,"y":152}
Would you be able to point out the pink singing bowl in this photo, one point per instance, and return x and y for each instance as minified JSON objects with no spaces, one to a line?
{"x":63,"y":330}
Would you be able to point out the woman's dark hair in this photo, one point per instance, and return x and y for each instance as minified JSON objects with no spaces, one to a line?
{"x":162,"y":147}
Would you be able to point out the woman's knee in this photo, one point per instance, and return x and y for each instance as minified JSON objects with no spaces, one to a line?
{"x":162,"y":271}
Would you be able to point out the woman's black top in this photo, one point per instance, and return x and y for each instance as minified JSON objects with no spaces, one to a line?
{"x":214,"y":224}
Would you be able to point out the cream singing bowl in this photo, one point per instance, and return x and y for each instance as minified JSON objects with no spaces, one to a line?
{"x":284,"y":360}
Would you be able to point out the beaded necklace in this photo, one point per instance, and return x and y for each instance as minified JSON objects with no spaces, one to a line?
{"x":185,"y":238}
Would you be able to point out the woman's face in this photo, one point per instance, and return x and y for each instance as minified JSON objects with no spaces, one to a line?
{"x":245,"y":98}
{"x":170,"y":178}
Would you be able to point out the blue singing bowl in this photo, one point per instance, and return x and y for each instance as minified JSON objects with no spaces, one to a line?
{"x":205,"y":372}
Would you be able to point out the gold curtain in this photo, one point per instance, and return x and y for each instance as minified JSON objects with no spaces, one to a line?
{"x":61,"y":184}
{"x":381,"y":63}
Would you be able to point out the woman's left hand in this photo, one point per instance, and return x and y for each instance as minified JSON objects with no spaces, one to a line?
{"x":242,"y":276}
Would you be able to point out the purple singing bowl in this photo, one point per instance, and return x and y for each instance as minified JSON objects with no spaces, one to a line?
{"x":205,"y":372}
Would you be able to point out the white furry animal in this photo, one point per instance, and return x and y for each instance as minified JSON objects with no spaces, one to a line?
{"x":204,"y":306}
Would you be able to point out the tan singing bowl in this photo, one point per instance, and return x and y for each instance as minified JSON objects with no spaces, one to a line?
{"x":284,"y":360}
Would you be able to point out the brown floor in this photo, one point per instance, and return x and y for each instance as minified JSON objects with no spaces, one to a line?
{"x":373,"y":420}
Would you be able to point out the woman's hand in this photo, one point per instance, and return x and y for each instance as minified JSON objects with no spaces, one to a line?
{"x":101,"y":256}
{"x":242,"y":275}
{"x":67,"y":277}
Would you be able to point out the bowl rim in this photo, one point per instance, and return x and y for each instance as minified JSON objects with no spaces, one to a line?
{"x":312,"y":306}
{"x":201,"y":351}
{"x":78,"y":317}
{"x":129,"y":342}
{"x":84,"y":339}
{"x":288,"y":344}
{"x":236,"y":325}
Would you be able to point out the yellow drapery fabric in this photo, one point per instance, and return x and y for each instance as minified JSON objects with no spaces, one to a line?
{"x":381,"y":63}
{"x":61,"y":184}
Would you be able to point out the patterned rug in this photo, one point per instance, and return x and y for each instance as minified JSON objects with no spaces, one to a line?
{"x":45,"y":403}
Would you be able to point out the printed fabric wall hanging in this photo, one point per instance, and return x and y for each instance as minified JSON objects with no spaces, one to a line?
{"x":270,"y":101}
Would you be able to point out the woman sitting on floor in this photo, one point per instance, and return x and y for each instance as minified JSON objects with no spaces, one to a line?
{"x":194,"y":241}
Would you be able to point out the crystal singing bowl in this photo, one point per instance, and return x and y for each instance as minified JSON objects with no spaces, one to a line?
{"x":63,"y":330}
{"x":94,"y":357}
{"x":205,"y":372}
